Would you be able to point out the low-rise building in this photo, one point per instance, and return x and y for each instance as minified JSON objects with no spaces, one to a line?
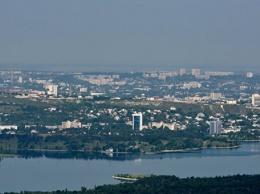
{"x":256,"y":99}
{"x":171,"y":126}
{"x":71,"y":124}
{"x":8,"y":127}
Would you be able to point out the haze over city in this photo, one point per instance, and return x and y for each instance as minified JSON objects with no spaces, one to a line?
{"x":124,"y":35}
{"x":129,"y":96}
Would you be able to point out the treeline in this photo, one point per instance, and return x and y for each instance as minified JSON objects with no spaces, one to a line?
{"x":173,"y":184}
{"x":124,"y":140}
{"x":236,"y":184}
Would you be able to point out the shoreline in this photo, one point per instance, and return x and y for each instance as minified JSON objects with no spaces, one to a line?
{"x":104,"y":152}
{"x":173,"y":151}
{"x":252,"y":140}
{"x":124,"y":178}
{"x":229,"y":147}
{"x":130,"y":177}
{"x":8,"y":155}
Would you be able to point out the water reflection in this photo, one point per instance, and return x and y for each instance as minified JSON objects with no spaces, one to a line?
{"x":48,"y":171}
{"x":247,"y":149}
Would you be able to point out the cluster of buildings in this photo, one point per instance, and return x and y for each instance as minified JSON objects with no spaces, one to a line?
{"x":11,"y":128}
{"x":218,"y":124}
{"x":137,"y":125}
{"x":101,"y":79}
{"x":195,"y":72}
{"x":189,"y":86}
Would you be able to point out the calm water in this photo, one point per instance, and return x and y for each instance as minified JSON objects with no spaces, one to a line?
{"x":49,"y":172}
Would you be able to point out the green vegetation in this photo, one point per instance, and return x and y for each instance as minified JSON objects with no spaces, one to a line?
{"x":30,"y":111}
{"x":148,"y":141}
{"x":171,"y":184}
{"x":107,"y":125}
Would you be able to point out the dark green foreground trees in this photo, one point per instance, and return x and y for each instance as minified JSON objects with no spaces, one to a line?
{"x":171,"y":184}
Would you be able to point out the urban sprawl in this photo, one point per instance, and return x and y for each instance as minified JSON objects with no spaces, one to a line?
{"x":216,"y":103}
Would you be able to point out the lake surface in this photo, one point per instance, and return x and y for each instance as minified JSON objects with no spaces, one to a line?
{"x":58,"y":171}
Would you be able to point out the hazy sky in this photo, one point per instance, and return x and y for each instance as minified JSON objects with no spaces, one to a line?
{"x":108,"y":34}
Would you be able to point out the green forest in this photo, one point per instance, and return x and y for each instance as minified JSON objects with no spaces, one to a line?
{"x":171,"y":184}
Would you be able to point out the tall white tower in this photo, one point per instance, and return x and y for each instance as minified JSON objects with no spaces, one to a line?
{"x":137,"y":122}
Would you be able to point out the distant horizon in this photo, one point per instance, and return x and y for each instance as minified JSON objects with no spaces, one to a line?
{"x":122,"y":36}
{"x":121,"y":69}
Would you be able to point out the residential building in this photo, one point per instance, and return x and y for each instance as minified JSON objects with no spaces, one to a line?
{"x":215,"y":96}
{"x":83,"y":89}
{"x":52,"y":89}
{"x":20,"y":80}
{"x":230,"y":101}
{"x":191,"y":85}
{"x":182,"y":72}
{"x":249,"y":74}
{"x":215,"y":127}
{"x":256,"y":99}
{"x":137,"y":122}
{"x":171,"y":126}
{"x":71,"y":124}
{"x":219,"y":73}
{"x":8,"y":127}
{"x":195,"y":72}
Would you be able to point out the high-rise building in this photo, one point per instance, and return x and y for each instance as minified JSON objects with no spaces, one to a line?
{"x":215,"y":127}
{"x":195,"y":72}
{"x":137,"y":122}
{"x":256,"y":99}
{"x":70,"y":90}
{"x":12,"y":77}
{"x":20,"y":79}
{"x":182,"y":72}
{"x":52,"y":89}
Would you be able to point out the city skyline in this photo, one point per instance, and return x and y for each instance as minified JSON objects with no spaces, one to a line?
{"x":129,"y":35}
